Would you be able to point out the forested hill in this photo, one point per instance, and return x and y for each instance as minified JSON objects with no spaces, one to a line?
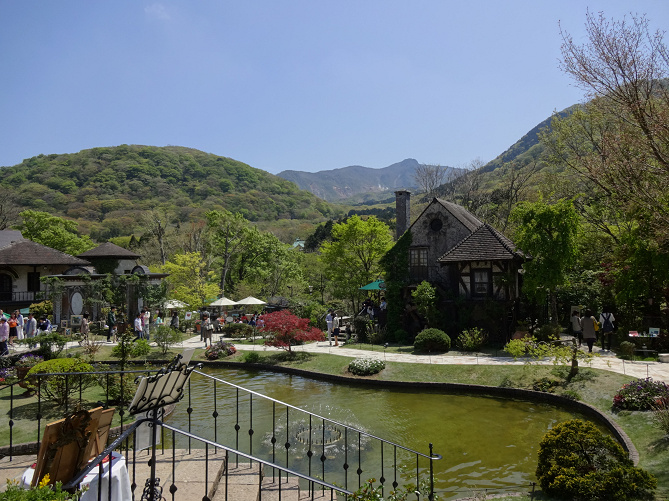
{"x":526,"y":145}
{"x":105,"y":189}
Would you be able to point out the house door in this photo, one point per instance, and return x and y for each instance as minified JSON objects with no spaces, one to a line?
{"x":5,"y":287}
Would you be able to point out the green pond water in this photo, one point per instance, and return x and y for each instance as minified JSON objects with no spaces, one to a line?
{"x":485,"y":442}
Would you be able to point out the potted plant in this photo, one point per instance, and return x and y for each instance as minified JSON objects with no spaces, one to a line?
{"x":24,"y":364}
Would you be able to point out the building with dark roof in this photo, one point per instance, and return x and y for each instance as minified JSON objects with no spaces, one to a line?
{"x":22,"y":264}
{"x":471,"y":264}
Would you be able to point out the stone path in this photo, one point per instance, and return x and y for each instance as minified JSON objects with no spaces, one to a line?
{"x":603,"y":360}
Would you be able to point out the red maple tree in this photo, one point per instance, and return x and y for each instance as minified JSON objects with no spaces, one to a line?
{"x":287,"y":330}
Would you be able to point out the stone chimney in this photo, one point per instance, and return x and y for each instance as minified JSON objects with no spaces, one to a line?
{"x":402,"y":212}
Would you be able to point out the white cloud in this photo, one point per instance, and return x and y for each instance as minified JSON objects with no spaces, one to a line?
{"x":157,"y":11}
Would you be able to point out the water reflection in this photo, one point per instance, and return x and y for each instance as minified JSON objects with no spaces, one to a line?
{"x":485,"y":442}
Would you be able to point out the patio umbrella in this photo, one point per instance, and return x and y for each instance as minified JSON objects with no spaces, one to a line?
{"x":224,"y":301}
{"x":376,"y":285}
{"x":174,"y":304}
{"x":251,"y":300}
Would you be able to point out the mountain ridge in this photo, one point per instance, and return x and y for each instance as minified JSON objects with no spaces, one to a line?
{"x":345,"y":182}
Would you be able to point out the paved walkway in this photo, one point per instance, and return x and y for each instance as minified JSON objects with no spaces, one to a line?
{"x":603,"y":359}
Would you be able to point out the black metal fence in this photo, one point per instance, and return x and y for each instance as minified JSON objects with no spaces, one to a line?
{"x":291,"y":442}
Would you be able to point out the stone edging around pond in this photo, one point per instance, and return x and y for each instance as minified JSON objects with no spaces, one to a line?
{"x":495,"y":391}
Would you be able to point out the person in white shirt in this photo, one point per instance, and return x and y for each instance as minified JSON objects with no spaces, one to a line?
{"x":146,"y":324}
{"x":138,"y":326}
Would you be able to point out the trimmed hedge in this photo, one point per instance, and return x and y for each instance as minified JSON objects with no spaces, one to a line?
{"x":577,"y":461}
{"x":432,"y":340}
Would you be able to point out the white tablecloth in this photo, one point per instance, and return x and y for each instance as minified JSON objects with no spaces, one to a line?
{"x":121,"y":490}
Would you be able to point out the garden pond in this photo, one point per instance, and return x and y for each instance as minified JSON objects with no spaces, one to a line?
{"x":486,"y":442}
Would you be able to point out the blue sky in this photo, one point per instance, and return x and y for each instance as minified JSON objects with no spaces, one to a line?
{"x":304,"y":85}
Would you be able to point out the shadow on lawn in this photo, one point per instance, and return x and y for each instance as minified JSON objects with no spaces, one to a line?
{"x":288,"y":356}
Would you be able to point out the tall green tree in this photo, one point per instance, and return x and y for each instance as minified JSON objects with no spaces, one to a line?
{"x":268,"y":265}
{"x":228,"y":237}
{"x":190,"y":281}
{"x":352,"y":257}
{"x":548,"y":233}
{"x":54,"y":232}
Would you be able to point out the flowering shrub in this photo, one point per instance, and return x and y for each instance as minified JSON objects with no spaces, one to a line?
{"x":219,"y":350}
{"x":29,"y":360}
{"x":472,"y":339}
{"x":41,"y":492}
{"x":641,"y":395}
{"x":7,"y":375}
{"x":366,"y":366}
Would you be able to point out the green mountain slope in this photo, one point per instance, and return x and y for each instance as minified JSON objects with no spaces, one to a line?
{"x":527,"y":146}
{"x":107,"y":189}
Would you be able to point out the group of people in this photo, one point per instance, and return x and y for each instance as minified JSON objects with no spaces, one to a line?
{"x":333,"y":322}
{"x":19,"y":327}
{"x":586,"y":327}
{"x":143,"y":323}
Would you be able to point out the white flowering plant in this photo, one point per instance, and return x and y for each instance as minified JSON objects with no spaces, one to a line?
{"x":366,"y":366}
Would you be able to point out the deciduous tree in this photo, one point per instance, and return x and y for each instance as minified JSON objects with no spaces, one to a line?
{"x":352,"y":258}
{"x":54,"y":232}
{"x":548,"y":233}
{"x":288,"y":330}
{"x":190,"y":281}
{"x":228,"y":237}
{"x":619,"y":140}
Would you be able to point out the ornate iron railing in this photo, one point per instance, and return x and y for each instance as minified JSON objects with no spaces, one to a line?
{"x":289,"y":440}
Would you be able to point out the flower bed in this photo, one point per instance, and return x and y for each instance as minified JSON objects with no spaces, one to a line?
{"x":366,"y":366}
{"x":219,"y":350}
{"x":641,"y":395}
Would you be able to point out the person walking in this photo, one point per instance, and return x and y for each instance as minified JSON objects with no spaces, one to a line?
{"x":576,"y":327}
{"x":13,"y":322}
{"x":335,"y":328}
{"x":19,"y":324}
{"x":146,"y":324}
{"x":4,"y":335}
{"x":174,"y":322}
{"x":85,"y":326}
{"x":139,"y":333}
{"x":111,"y":323}
{"x":607,"y":319}
{"x":328,"y":321}
{"x":207,"y":329}
{"x":588,"y":327}
{"x":31,"y":326}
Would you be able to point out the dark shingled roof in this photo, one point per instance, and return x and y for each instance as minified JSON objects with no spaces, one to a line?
{"x":27,"y":252}
{"x":109,"y":249}
{"x":467,"y":219}
{"x":484,"y":244}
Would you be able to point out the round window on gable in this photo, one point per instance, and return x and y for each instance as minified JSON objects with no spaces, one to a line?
{"x":436,"y":224}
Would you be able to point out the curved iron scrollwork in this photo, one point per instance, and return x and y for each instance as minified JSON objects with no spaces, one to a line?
{"x":162,"y":388}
